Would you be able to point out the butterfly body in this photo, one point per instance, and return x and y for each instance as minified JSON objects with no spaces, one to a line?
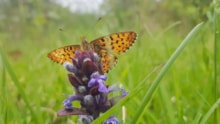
{"x":106,"y":47}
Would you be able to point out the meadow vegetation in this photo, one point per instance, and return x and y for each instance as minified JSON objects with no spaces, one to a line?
{"x":32,"y":86}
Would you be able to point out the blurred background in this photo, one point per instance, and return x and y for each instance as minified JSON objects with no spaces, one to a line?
{"x":30,"y":29}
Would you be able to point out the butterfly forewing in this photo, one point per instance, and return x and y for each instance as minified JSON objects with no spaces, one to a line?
{"x":117,"y":43}
{"x":63,"y":54}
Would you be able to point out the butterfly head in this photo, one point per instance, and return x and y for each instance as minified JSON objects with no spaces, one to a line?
{"x":85,"y":45}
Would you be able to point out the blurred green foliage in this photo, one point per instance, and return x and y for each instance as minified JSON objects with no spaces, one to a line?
{"x":20,"y":17}
{"x":30,"y":29}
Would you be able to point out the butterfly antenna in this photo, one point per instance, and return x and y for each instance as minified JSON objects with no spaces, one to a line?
{"x":96,"y":23}
{"x":83,"y":38}
{"x":93,"y":27}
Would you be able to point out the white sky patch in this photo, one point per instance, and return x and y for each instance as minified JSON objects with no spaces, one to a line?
{"x":82,"y":6}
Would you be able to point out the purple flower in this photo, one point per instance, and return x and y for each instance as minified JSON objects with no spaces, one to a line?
{"x":97,"y":79}
{"x":68,"y":102}
{"x":70,"y":67}
{"x":112,"y":120}
{"x":114,"y":88}
{"x":86,"y":119}
{"x":88,"y":80}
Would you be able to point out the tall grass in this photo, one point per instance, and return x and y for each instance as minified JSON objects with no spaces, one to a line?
{"x":32,"y":86}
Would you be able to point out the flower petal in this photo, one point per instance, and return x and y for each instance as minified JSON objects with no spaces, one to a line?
{"x":102,"y":88}
{"x":70,"y":67}
{"x":92,"y":82}
{"x":112,"y":120}
{"x":103,"y":77}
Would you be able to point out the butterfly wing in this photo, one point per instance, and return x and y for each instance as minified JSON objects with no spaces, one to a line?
{"x":108,"y":60}
{"x":63,"y":54}
{"x":121,"y":42}
{"x":112,"y":44}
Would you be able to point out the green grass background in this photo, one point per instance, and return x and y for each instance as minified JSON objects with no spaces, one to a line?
{"x":32,"y":86}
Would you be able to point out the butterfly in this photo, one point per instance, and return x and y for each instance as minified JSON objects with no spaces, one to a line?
{"x":107,"y":48}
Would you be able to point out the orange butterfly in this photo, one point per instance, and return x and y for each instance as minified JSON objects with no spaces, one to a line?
{"x":106,"y":47}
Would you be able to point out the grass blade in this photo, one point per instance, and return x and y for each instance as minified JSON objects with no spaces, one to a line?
{"x":216,"y":57}
{"x":211,"y":110}
{"x":155,"y":83}
{"x":17,"y":84}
